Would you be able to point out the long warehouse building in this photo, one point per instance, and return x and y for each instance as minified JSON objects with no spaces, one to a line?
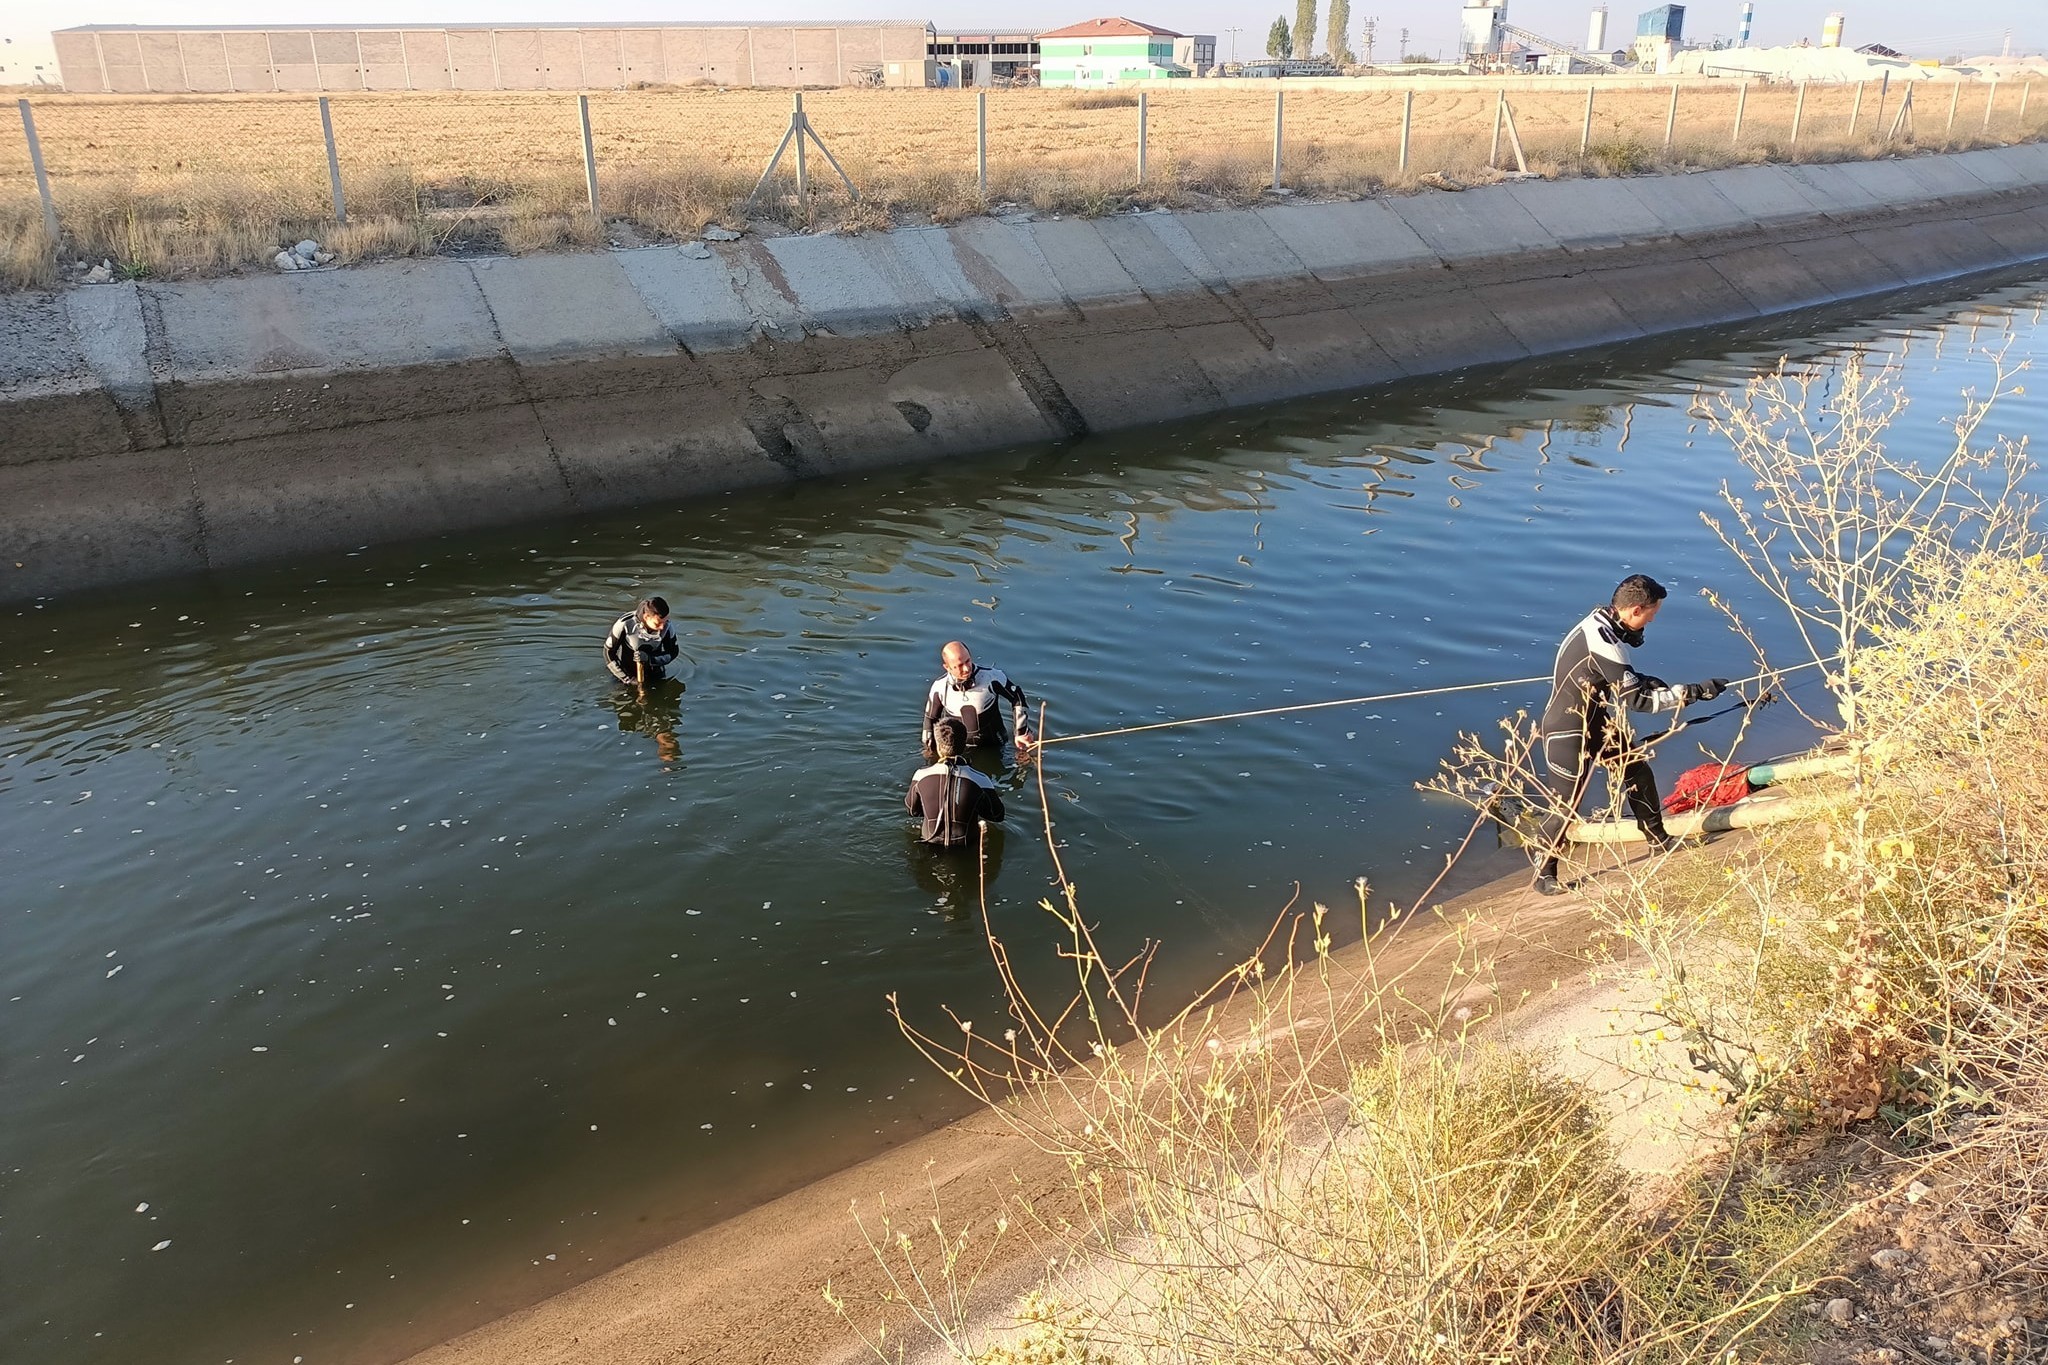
{"x":153,"y":59}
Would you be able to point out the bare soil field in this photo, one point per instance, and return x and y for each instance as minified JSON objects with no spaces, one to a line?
{"x":174,"y":186}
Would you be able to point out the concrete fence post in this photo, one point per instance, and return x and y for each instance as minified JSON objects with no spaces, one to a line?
{"x":1141,"y":136}
{"x":1884,"y":95}
{"x":1955,"y":101}
{"x":589,"y":155}
{"x":1586,"y":127}
{"x":981,"y":141}
{"x":1798,"y":113}
{"x":1741,"y":103}
{"x":2026,"y":89}
{"x":35,"y":161}
{"x":1407,"y":124}
{"x":1990,"y":100}
{"x":803,"y":174}
{"x":333,"y":163}
{"x":1500,"y":103}
{"x":1671,"y":118}
{"x":1279,"y":131}
{"x":1856,"y":108}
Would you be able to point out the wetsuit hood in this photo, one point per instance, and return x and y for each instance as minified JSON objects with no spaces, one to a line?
{"x":1628,"y":635}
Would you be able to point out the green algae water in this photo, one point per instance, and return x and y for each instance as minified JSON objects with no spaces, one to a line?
{"x":371,"y":965}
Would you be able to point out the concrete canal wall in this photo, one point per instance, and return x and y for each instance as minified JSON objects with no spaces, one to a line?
{"x":150,"y":429}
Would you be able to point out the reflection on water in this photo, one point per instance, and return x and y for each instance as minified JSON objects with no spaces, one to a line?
{"x":655,"y":712}
{"x":371,"y":954}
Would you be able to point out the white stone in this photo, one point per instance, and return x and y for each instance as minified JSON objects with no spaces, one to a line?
{"x":307,"y":248}
{"x":696,"y":251}
{"x":1840,"y":1312}
{"x":719,"y":234}
{"x":1916,"y":1192}
{"x":1891,"y":1258}
{"x":284,"y":260}
{"x":322,"y":257}
{"x":99,"y":274}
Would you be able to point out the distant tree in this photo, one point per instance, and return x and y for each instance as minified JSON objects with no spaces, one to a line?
{"x":1278,"y":42}
{"x":1340,"y":41}
{"x":1304,"y":28}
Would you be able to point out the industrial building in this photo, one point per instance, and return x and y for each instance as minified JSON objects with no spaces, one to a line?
{"x":984,"y":58}
{"x":126,"y":58}
{"x":1114,"y":51}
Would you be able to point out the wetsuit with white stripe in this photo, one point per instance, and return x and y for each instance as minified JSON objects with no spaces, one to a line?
{"x":952,"y":798}
{"x":1593,"y":686}
{"x":630,"y":643}
{"x":976,"y":704}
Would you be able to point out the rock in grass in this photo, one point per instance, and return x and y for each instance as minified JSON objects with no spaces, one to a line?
{"x":1839,"y":1312}
{"x":719,"y":234}
{"x":284,"y":260}
{"x":1891,"y":1258}
{"x":99,"y":274}
{"x":308,"y":249}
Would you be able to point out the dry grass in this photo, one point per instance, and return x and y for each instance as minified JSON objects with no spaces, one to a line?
{"x":1339,"y":1172}
{"x":193,"y":185}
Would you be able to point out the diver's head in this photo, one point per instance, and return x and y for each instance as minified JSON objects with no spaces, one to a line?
{"x":949,"y":737}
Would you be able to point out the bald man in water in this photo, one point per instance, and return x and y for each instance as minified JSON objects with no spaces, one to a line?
{"x":972,"y":695}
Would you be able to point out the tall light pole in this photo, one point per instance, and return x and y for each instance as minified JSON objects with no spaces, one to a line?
{"x":1404,"y":44}
{"x":1233,"y":32}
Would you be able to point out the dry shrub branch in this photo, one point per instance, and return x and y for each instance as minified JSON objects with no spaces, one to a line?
{"x":1319,"y":1161}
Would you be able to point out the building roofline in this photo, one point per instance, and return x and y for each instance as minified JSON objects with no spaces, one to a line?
{"x":429,"y":27}
{"x":1096,"y":28}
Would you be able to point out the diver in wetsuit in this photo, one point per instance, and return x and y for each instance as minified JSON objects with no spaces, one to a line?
{"x":1592,"y":685}
{"x":952,"y":797}
{"x":641,"y":644}
{"x":972,"y":695}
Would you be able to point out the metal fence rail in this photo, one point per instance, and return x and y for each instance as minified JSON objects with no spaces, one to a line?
{"x":178,"y":185}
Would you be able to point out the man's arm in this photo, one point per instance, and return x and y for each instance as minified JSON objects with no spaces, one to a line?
{"x":991,"y":806}
{"x":911,"y":802}
{"x":666,"y":649}
{"x":616,"y":653}
{"x":1020,"y":709}
{"x":934,"y":706}
{"x":1643,"y":692}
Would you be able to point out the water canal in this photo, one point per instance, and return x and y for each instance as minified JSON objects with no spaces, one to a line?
{"x":370,"y":967}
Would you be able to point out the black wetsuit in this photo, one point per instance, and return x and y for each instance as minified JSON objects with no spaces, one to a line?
{"x":976,"y":704}
{"x":629,"y":644}
{"x":952,"y":798}
{"x":1591,"y":688}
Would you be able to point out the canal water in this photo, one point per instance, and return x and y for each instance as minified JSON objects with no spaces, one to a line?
{"x":370,"y":965}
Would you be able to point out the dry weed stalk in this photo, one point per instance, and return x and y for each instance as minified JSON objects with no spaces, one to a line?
{"x":1311,"y":1163}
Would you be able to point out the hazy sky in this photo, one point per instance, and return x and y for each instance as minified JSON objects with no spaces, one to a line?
{"x":1969,"y":28}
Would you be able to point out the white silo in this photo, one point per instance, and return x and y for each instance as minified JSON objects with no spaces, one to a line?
{"x":1479,"y":29}
{"x":1596,"y":30}
{"x":1831,"y":29}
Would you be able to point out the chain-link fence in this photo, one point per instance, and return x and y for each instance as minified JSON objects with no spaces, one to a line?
{"x":186,"y":185}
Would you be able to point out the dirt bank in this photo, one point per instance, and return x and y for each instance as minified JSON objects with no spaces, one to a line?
{"x":750,"y":1289}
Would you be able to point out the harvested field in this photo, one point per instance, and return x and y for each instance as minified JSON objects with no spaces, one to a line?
{"x":190,"y":185}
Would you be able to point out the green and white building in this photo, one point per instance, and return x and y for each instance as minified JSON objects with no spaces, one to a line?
{"x":1106,"y":52}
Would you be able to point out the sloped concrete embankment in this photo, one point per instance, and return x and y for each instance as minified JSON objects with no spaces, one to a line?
{"x":151,"y":429}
